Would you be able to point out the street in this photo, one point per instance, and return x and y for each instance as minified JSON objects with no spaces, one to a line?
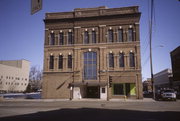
{"x":88,"y":110}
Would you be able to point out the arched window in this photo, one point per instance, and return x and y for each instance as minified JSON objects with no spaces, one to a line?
{"x":60,"y":61}
{"x":93,"y":36}
{"x":52,"y":39}
{"x":111,"y":60}
{"x":120,"y":35}
{"x":61,"y":38}
{"x":70,"y":38}
{"x":86,"y":37}
{"x":130,"y":35}
{"x":69,"y":61}
{"x":131,"y":59}
{"x":110,"y":35}
{"x":90,"y":65}
{"x":51,"y":62}
{"x":121,"y":60}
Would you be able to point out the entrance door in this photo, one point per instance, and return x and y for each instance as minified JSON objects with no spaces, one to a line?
{"x":93,"y":92}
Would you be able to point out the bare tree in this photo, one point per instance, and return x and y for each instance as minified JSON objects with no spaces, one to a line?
{"x":35,"y":78}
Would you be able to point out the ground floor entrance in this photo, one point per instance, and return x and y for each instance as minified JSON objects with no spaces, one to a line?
{"x":93,"y":92}
{"x":89,"y":91}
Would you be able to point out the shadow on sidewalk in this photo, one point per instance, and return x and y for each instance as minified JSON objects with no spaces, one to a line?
{"x":91,"y":114}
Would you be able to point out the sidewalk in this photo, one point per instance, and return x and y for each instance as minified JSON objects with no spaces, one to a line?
{"x":79,"y":100}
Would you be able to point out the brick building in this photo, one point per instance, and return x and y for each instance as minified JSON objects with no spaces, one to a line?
{"x":92,"y":53}
{"x":147,"y":85}
{"x":175,"y":61}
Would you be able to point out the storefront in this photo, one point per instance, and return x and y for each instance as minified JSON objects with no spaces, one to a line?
{"x":123,"y":89}
{"x":97,"y":90}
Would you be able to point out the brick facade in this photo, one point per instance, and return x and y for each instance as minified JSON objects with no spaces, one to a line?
{"x":70,"y":82}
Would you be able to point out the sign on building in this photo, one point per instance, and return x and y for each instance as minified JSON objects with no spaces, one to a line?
{"x":36,"y":5}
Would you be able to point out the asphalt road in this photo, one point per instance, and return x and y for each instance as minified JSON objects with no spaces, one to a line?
{"x":93,"y":110}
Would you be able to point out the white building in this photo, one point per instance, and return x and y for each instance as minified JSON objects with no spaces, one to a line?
{"x":14,"y":75}
{"x":163,"y":79}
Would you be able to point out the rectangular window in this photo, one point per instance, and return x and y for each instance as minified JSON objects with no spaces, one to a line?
{"x":132,"y":89}
{"x":111,"y":60}
{"x":51,"y":62}
{"x":121,"y":60}
{"x":103,"y":90}
{"x":131,"y":60}
{"x":86,"y":37}
{"x":120,"y":35}
{"x":60,"y":61}
{"x":90,"y":65}
{"x":70,"y":38}
{"x":69,"y":61}
{"x":118,"y":89}
{"x":52,"y":39}
{"x":130,"y":35}
{"x":61,"y":38}
{"x":110,"y":35}
{"x":93,"y":36}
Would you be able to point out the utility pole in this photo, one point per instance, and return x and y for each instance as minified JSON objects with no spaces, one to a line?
{"x":150,"y":42}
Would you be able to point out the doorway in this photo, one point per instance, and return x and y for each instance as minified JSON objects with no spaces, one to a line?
{"x":93,"y":92}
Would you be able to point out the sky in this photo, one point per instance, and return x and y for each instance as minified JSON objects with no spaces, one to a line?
{"x":22,"y":34}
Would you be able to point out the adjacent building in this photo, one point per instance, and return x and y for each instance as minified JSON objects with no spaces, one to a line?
{"x":147,"y":86}
{"x":14,"y":75}
{"x":92,"y":53}
{"x":175,"y":60}
{"x":163,"y":79}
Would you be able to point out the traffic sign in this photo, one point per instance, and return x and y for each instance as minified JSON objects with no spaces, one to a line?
{"x":36,"y":5}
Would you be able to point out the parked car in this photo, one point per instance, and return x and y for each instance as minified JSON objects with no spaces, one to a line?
{"x":166,"y":94}
{"x":169,"y":94}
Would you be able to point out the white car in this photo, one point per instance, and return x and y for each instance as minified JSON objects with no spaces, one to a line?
{"x":168,"y":94}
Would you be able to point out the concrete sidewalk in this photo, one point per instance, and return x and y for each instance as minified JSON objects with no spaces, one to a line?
{"x":84,"y":99}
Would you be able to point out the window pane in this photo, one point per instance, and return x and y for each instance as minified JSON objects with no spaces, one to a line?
{"x":90,"y":66}
{"x":93,"y":37}
{"x":86,"y":37}
{"x":131,"y":59}
{"x":69,"y":61}
{"x":111,"y":60}
{"x":70,"y":38}
{"x":130,"y":35}
{"x":60,"y":62}
{"x":132,"y":89}
{"x":110,"y":34}
{"x":118,"y":89}
{"x":51,"y":62}
{"x":52,"y":39}
{"x":61,"y":38}
{"x":121,"y":60}
{"x":103,"y":90}
{"x":120,"y":35}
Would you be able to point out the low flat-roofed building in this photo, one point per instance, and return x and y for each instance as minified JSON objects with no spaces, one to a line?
{"x":14,"y":75}
{"x":163,"y":79}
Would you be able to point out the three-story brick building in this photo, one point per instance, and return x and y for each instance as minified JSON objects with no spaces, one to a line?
{"x":92,"y":53}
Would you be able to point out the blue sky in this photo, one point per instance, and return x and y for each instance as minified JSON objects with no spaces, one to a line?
{"x":22,"y":34}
